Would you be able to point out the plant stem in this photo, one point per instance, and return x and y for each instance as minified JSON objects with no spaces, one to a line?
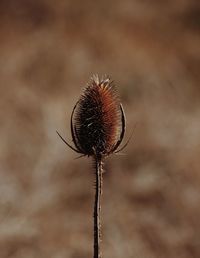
{"x":97,"y":207}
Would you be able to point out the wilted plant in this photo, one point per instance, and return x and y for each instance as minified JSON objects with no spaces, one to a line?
{"x":97,"y":128}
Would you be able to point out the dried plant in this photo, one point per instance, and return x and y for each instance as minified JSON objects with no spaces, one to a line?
{"x":97,"y":128}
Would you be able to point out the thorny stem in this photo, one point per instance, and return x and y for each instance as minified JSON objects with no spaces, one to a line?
{"x":97,"y":207}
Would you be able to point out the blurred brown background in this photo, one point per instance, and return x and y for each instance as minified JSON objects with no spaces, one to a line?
{"x":151,"y":198}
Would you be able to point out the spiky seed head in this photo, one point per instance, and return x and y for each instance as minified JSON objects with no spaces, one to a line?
{"x":97,"y":118}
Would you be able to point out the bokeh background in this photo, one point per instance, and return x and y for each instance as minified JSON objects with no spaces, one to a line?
{"x":151,"y":199}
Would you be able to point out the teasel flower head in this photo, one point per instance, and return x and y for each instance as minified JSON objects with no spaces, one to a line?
{"x":97,"y":120}
{"x":97,"y":128}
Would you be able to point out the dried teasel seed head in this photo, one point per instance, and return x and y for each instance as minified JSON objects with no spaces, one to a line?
{"x":97,"y":128}
{"x":98,"y":119}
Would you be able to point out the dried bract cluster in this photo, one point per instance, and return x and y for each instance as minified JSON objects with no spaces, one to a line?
{"x":97,"y":120}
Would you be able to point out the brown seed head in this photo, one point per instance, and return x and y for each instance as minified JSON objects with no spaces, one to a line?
{"x":97,"y":118}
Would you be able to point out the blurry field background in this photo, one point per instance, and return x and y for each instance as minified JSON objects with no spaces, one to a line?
{"x":151,"y":199}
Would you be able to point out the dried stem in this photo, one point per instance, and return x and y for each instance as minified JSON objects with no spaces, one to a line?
{"x":97,"y":207}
